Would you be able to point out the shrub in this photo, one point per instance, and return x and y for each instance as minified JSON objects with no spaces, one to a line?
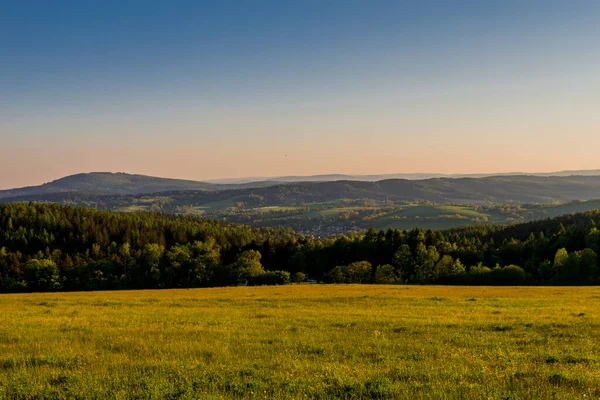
{"x":272,"y":278}
{"x":480,"y":275}
{"x":298,"y":277}
{"x":9,"y":285}
{"x":509,"y":275}
{"x":336,"y":275}
{"x":385,"y":274}
{"x":357,"y":272}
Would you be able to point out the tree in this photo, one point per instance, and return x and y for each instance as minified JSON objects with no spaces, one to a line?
{"x":546,"y":270}
{"x":205,"y":262}
{"x":298,"y":277}
{"x":99,"y":275}
{"x":125,"y":254}
{"x":248,"y":266}
{"x":359,"y":272}
{"x":580,"y":267}
{"x":560,"y":258}
{"x":444,"y":267}
{"x":426,"y":260}
{"x":509,"y":275}
{"x":42,"y":275}
{"x":297,"y":262}
{"x":458,"y":267}
{"x":94,"y":249}
{"x":403,"y":262}
{"x":272,"y":278}
{"x":589,"y":265}
{"x":480,"y":274}
{"x":336,"y":275}
{"x":385,"y":274}
{"x":178,"y":263}
{"x":151,"y":256}
{"x":592,"y":239}
{"x":371,"y":235}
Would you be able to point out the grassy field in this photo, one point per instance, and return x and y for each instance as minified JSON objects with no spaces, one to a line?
{"x":303,"y":341}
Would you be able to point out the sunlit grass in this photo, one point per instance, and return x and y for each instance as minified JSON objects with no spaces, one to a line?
{"x":313,"y":341}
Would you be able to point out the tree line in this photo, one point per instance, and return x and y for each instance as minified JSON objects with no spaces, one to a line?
{"x":48,"y":247}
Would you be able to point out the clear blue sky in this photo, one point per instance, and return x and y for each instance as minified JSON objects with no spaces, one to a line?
{"x":203,"y":90}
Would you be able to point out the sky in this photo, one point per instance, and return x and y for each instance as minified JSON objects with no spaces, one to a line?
{"x":205,"y":90}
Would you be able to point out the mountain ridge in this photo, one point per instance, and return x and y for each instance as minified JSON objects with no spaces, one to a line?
{"x":498,"y":190}
{"x":121,"y":183}
{"x":118,"y":183}
{"x":408,"y":176}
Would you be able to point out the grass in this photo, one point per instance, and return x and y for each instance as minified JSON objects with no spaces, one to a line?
{"x":303,"y":341}
{"x":134,"y":208}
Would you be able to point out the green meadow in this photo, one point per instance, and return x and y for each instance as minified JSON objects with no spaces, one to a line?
{"x":303,"y":341}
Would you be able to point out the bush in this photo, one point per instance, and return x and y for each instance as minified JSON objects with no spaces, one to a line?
{"x":9,"y":285}
{"x":357,"y":272}
{"x":298,"y":277}
{"x":336,"y":275}
{"x":385,"y":274}
{"x":461,"y":278}
{"x":509,"y":275}
{"x":480,"y":275}
{"x":272,"y":278}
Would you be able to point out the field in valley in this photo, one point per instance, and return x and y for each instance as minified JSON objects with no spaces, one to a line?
{"x":303,"y":341}
{"x":342,"y":215}
{"x":330,"y":208}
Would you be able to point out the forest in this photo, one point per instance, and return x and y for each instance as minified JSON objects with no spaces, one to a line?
{"x":333,"y":207}
{"x":51,"y":247}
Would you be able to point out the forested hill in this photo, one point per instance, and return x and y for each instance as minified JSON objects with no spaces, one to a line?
{"x":495,"y":190}
{"x":51,"y":247}
{"x":102,"y":183}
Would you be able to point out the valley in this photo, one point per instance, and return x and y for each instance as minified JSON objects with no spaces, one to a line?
{"x":333,"y":207}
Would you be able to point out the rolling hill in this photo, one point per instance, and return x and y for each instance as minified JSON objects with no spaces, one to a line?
{"x":119,"y":189}
{"x":334,"y":207}
{"x":547,"y":187}
{"x":380,"y":177}
{"x":103,"y":183}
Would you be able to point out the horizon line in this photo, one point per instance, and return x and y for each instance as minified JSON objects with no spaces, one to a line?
{"x":249,"y":179}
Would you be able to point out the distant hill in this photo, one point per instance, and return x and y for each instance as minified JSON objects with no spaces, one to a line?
{"x":433,"y":187}
{"x":102,"y":189}
{"x":380,"y":177}
{"x":325,"y":208}
{"x":489,"y":190}
{"x":105,"y":183}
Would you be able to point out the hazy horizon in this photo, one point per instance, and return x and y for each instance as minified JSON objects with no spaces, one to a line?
{"x":199,"y":91}
{"x":236,"y":179}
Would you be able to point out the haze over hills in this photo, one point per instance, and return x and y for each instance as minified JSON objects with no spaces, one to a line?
{"x":515,"y":189}
{"x":379,"y":177}
{"x":488,"y":190}
{"x":126,"y":184}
